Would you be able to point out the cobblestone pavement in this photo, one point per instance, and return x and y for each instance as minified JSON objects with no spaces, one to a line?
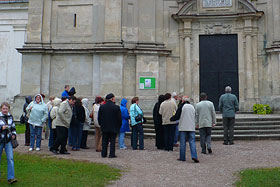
{"x":152,"y":167}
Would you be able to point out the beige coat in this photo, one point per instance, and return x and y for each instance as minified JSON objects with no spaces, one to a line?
{"x":56,"y":103}
{"x":205,"y":114}
{"x":167,"y":109}
{"x":64,"y":114}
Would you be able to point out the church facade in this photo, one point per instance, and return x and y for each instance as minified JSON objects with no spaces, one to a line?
{"x":146,"y":48}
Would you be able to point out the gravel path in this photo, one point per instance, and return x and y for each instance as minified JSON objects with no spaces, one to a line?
{"x":152,"y":167}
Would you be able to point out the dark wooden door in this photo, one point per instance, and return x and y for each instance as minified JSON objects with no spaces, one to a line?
{"x":218,"y":65}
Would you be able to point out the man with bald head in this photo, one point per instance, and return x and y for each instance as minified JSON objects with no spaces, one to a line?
{"x":228,"y":105}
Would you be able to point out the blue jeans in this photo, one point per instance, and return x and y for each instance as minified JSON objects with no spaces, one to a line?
{"x":121,"y":140}
{"x":70,"y":136}
{"x":137,"y":132}
{"x":10,"y":159}
{"x":77,"y":132}
{"x":35,"y":132}
{"x":190,"y":136}
{"x":51,"y":138}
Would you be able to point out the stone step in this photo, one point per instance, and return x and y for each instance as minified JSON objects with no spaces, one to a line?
{"x":239,"y":124}
{"x":221,"y":137}
{"x":251,"y":131}
{"x":238,"y":119}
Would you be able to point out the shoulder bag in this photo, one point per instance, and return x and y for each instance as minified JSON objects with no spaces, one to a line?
{"x":139,"y":117}
{"x":14,"y":143}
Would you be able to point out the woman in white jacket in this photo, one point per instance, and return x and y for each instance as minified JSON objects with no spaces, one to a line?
{"x":98,"y":140}
{"x":38,"y":115}
{"x":87,"y":124}
{"x":53,"y":113}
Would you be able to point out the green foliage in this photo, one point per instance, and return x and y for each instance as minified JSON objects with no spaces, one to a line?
{"x":20,"y":128}
{"x":268,"y":177}
{"x":35,"y":170}
{"x":262,"y":109}
{"x":268,"y":109}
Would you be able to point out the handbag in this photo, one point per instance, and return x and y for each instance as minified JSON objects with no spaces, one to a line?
{"x":14,"y":143}
{"x":22,"y":119}
{"x":139,"y":117}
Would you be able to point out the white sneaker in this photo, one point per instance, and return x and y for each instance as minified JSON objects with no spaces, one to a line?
{"x":30,"y":149}
{"x":37,"y":149}
{"x":123,"y":148}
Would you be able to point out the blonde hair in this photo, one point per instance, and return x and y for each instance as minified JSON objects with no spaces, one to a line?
{"x":51,"y":98}
{"x":5,"y":104}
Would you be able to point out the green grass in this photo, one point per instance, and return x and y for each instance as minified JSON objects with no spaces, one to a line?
{"x":268,"y":177}
{"x":20,"y":128}
{"x":35,"y":170}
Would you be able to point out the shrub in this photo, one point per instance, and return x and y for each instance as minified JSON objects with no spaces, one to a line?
{"x":262,"y":109}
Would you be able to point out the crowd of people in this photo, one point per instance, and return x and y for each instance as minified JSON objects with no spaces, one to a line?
{"x":68,"y":119}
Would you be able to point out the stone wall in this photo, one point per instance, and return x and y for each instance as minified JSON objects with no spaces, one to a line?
{"x":102,"y":46}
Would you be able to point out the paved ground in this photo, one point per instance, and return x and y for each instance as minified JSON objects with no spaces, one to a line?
{"x":151,"y":167}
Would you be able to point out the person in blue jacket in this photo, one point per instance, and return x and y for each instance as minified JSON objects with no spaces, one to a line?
{"x":125,"y":124}
{"x":137,"y":126}
{"x":65,"y":93}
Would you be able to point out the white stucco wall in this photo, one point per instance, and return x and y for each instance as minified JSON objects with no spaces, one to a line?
{"x":13,"y":21}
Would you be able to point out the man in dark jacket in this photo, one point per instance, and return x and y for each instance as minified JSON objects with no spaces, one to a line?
{"x":110,"y":120}
{"x":158,"y":124}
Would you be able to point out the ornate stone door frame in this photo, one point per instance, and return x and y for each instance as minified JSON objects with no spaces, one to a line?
{"x":244,"y":24}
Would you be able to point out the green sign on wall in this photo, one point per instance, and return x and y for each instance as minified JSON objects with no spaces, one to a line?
{"x":147,"y":83}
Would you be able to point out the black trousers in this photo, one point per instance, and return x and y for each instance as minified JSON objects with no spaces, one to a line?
{"x":54,"y":134}
{"x":169,"y":134}
{"x":106,"y":137}
{"x":27,"y":133}
{"x":61,"y":139}
{"x":159,"y":136}
{"x":84,"y":139}
{"x":228,"y":124}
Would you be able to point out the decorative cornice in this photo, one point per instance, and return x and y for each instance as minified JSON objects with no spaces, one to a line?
{"x":275,"y":47}
{"x":218,"y":28}
{"x":98,"y":49}
{"x":183,"y":12}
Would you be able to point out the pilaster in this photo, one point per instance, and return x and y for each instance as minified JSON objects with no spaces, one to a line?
{"x":182,"y":60}
{"x":188,"y":86}
{"x":249,"y":56}
{"x":35,"y":20}
{"x":113,"y":20}
{"x":276,"y":21}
